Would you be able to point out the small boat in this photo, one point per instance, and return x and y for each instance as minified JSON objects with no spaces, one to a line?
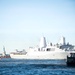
{"x":71,"y":60}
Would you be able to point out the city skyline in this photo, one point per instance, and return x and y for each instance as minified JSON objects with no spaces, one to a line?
{"x":23,"y":22}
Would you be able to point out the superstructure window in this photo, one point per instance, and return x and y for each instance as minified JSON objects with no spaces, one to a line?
{"x":48,"y":49}
{"x":38,"y":49}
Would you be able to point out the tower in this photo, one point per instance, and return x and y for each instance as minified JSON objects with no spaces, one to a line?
{"x":42,"y":42}
{"x":4,"y":53}
{"x":62,"y":41}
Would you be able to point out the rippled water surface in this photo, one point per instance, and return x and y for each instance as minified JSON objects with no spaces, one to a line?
{"x":35,"y":67}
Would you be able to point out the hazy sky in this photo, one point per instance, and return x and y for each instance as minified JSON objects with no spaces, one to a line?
{"x":23,"y":22}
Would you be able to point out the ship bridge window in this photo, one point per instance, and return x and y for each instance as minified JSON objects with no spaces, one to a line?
{"x":38,"y":49}
{"x":48,"y":49}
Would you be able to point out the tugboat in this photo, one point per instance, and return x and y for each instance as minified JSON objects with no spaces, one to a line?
{"x":71,"y":60}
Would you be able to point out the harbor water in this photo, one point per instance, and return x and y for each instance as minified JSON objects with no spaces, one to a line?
{"x":35,"y":67}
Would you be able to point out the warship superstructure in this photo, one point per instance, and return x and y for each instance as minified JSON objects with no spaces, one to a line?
{"x":44,"y":51}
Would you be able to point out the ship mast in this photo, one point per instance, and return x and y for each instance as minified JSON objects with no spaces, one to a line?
{"x":62,"y":41}
{"x":43,"y":42}
{"x":4,"y":52}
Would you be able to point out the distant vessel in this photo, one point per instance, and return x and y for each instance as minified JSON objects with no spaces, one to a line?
{"x":44,"y":51}
{"x":4,"y":55}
